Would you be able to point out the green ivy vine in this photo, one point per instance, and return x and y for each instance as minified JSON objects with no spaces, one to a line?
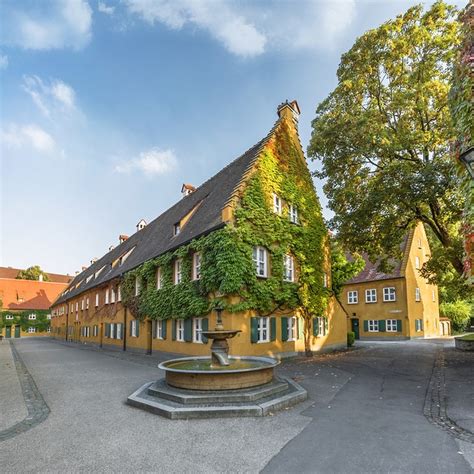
{"x":227,"y":268}
{"x":41,"y":323}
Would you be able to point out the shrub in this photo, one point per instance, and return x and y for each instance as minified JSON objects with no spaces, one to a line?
{"x":350,"y":338}
{"x":458,"y":312}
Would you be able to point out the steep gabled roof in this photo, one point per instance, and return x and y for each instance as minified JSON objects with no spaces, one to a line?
{"x":205,"y":204}
{"x":9,"y":272}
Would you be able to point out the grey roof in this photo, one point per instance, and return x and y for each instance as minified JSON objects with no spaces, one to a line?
{"x":157,"y":237}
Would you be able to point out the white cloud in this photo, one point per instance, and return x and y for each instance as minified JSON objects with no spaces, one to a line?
{"x":47,"y":25}
{"x":3,"y":61}
{"x":49,"y":96}
{"x":103,"y":8}
{"x":309,"y":24}
{"x":152,"y":162}
{"x":27,"y":136}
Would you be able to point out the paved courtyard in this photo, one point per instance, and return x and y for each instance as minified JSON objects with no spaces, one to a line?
{"x":379,"y":408}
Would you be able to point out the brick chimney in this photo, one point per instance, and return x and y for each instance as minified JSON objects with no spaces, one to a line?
{"x":122,"y":238}
{"x":187,"y":189}
{"x":289,"y":110}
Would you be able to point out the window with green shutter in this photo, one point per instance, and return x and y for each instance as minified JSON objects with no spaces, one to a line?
{"x":315,"y":327}
{"x":284,"y":328}
{"x":164,"y":323}
{"x":399,"y":325}
{"x":188,"y":330}
{"x":366,"y":326}
{"x":273,"y":329}
{"x":382,"y":325}
{"x":173,"y":329}
{"x":254,"y":330}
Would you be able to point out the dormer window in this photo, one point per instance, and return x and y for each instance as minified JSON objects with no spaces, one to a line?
{"x":293,"y":213}
{"x":259,"y":257}
{"x":176,"y":229}
{"x":276,"y":204}
{"x":125,"y":256}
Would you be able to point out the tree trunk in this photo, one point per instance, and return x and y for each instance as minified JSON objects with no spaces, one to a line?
{"x":307,"y":337}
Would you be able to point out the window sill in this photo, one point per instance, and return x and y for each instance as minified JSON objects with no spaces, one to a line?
{"x":262,"y":342}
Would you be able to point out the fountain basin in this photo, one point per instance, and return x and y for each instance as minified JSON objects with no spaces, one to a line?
{"x":198,"y":373}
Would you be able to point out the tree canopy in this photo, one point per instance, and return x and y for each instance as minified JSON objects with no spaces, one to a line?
{"x":32,"y":273}
{"x":383,"y":137}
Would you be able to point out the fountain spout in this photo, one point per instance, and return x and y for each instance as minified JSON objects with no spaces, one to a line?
{"x":219,"y":358}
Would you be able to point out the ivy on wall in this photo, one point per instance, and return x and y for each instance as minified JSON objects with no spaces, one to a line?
{"x":41,"y":323}
{"x":227,"y":267}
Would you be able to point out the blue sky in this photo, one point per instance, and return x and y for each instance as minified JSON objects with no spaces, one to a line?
{"x":107,"y":107}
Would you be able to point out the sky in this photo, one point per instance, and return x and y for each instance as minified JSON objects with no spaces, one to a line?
{"x":108,"y":107}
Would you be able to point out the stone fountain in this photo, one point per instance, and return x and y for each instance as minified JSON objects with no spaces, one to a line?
{"x":219,"y":385}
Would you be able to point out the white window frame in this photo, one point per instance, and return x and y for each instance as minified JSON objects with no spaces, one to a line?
{"x":107,"y":296}
{"x":32,"y":316}
{"x":178,"y":271}
{"x":417,"y":294}
{"x":263,"y":329}
{"x":371,"y":295}
{"x":260,"y":258}
{"x":373,"y":325}
{"x":159,"y":329}
{"x":391,"y":325}
{"x":112,"y":331}
{"x":352,"y":297}
{"x":95,"y":330}
{"x":49,"y":329}
{"x":197,"y":330}
{"x":87,"y":303}
{"x":321,"y":326}
{"x":197,"y":266}
{"x":96,"y":300}
{"x":138,"y":285}
{"x":176,"y":229}
{"x":293,"y":213}
{"x":119,"y":292}
{"x":159,"y":279}
{"x":180,"y":330}
{"x":112,"y":294}
{"x":9,"y":316}
{"x":118,"y":332}
{"x":48,"y":316}
{"x":82,"y":304}
{"x":31,"y":330}
{"x":277,"y":204}
{"x":292,"y":328}
{"x":134,"y":327}
{"x":288,"y":268}
{"x":77,"y":306}
{"x":388,"y":294}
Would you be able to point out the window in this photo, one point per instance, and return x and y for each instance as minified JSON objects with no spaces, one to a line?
{"x":82,"y":304}
{"x":259,"y":257}
{"x":87,"y":303}
{"x":292,"y":328}
{"x":138,"y":285}
{"x":96,"y":300}
{"x":32,"y":316}
{"x":180,"y":330}
{"x":112,"y":331}
{"x":95,"y":330}
{"x":71,"y":308}
{"x":159,"y":279}
{"x":325,"y":280}
{"x":107,"y":296}
{"x":371,"y":295}
{"x":389,"y":294}
{"x":417,"y":263}
{"x":373,"y":325}
{"x":293,"y":214}
{"x":197,"y":330}
{"x":196,"y":266}
{"x":178,"y":273}
{"x":31,"y":330}
{"x":276,"y":204}
{"x":97,"y":273}
{"x":322,"y":326}
{"x":352,"y":297}
{"x":118,"y":333}
{"x":112,"y":295}
{"x":159,"y":329}
{"x":391,"y":325}
{"x":176,"y":229}
{"x":288,"y":268}
{"x":49,"y":329}
{"x":134,"y":328}
{"x":263,"y":329}
{"x":125,"y":256}
{"x":77,"y":306}
{"x":418,"y":325}
{"x":48,"y":316}
{"x":119,"y":293}
{"x":9,"y":316}
{"x":417,"y":294}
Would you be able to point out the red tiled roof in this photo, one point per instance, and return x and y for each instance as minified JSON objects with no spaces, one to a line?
{"x":28,"y":294}
{"x":9,"y":272}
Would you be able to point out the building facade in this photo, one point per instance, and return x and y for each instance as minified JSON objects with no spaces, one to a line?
{"x":249,"y":242}
{"x":398,"y":305}
{"x":25,"y":304}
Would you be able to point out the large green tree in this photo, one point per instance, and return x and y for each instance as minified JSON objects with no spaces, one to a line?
{"x":32,"y":273}
{"x":383,"y":137}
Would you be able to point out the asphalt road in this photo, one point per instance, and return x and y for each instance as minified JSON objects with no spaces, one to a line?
{"x":365,"y":414}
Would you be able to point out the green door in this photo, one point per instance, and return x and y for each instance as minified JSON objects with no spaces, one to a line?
{"x":17,"y":331}
{"x":8,"y":332}
{"x":355,"y":327}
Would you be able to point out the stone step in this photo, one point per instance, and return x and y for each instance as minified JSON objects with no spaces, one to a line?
{"x":161,"y":389}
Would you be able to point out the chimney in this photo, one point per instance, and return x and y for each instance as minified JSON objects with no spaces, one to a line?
{"x":123,"y":238}
{"x":93,"y":260}
{"x":141,"y":224}
{"x":84,"y":268}
{"x":187,"y":189}
{"x":76,"y":272}
{"x":40,"y":278}
{"x":289,"y":110}
{"x":111,"y":247}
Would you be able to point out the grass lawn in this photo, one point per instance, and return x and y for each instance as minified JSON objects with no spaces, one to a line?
{"x":468,"y":337}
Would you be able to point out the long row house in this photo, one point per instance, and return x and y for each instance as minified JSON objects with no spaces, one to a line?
{"x":249,"y":242}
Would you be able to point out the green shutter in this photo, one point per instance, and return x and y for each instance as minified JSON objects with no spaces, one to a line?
{"x":417,"y":324}
{"x":205,"y":327}
{"x":164,"y":324}
{"x":188,"y":330}
{"x":138,"y":327}
{"x":273,"y":329}
{"x":315,"y":327}
{"x":254,"y":329}
{"x":107,"y":330}
{"x":366,"y":326}
{"x":284,"y":328}
{"x":399,"y":325}
{"x":173,"y":327}
{"x":382,"y":325}
{"x":300,"y":323}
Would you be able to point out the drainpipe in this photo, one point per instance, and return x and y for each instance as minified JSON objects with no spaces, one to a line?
{"x":125,"y":329}
{"x":67,"y":324}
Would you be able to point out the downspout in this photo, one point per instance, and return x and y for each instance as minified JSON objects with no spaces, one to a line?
{"x":67,"y":323}
{"x":125,"y":329}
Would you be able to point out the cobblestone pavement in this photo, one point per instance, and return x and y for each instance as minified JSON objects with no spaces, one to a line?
{"x":37,"y":408}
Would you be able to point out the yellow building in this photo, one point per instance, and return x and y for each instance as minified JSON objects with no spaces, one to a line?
{"x":250,"y":240}
{"x":398,"y":305}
